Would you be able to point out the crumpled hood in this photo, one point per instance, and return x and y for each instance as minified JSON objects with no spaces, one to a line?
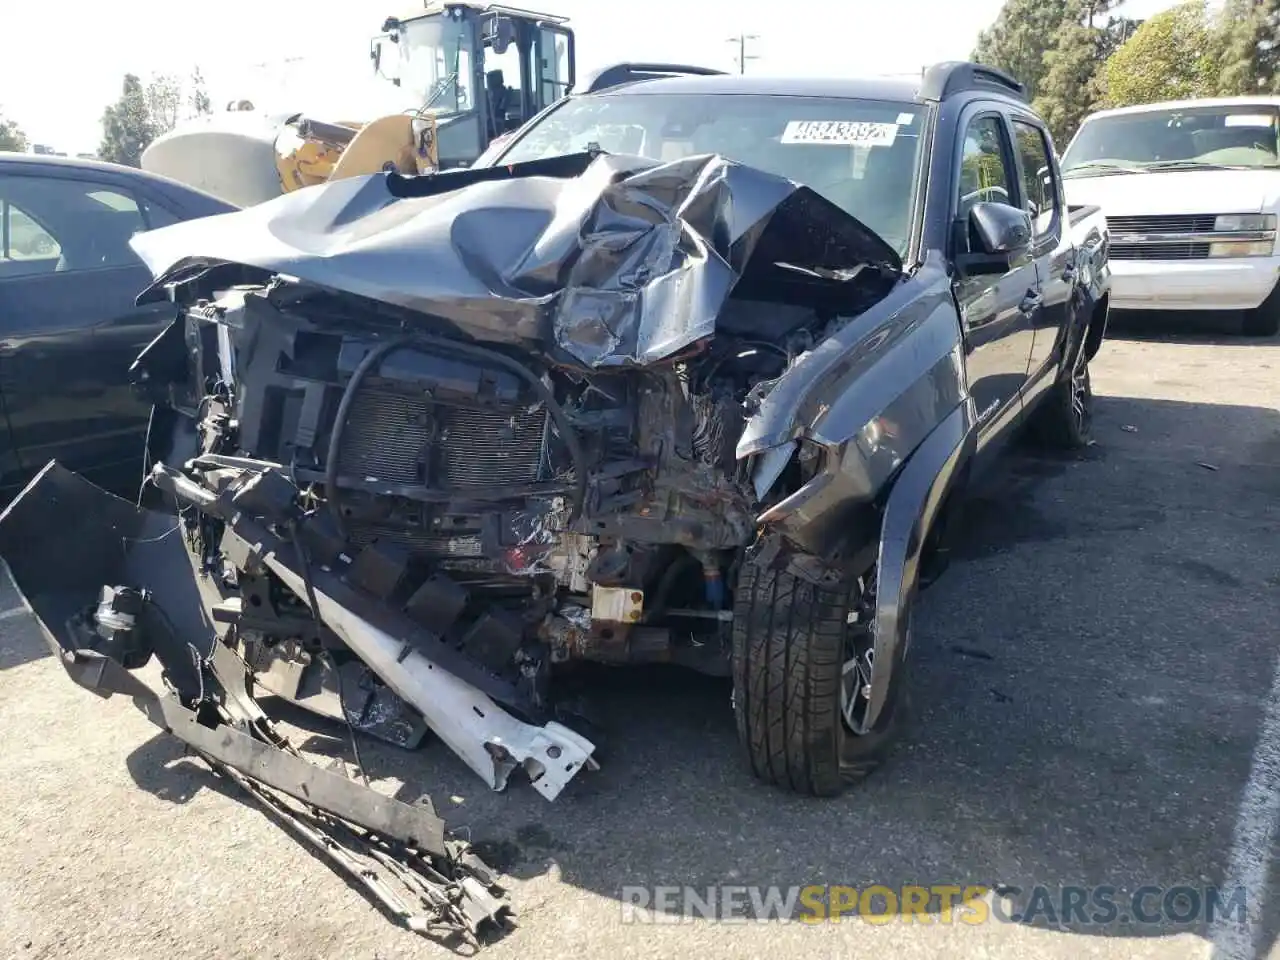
{"x":1177,"y":192}
{"x":613,"y":260}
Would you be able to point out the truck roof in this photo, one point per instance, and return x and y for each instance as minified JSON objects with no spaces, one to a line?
{"x":939,"y":82}
{"x":427,"y":8}
{"x":865,"y":88}
{"x":1261,"y":100}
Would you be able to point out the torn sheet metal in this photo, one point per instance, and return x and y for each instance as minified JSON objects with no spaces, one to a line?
{"x":63,"y":538}
{"x":490,"y":740}
{"x":607,"y":260}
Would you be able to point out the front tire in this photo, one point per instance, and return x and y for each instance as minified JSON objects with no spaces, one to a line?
{"x":1263,"y":321}
{"x":794,"y":653}
{"x":1065,"y":420}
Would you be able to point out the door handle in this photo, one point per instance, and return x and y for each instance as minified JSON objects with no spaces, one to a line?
{"x":1030,"y":302}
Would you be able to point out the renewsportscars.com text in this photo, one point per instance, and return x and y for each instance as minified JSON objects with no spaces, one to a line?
{"x":972,"y":904}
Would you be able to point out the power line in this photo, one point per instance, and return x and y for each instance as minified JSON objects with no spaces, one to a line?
{"x":742,"y":58}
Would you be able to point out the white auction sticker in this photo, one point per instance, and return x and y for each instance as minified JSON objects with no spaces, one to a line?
{"x":1247,"y":120}
{"x":841,"y":132}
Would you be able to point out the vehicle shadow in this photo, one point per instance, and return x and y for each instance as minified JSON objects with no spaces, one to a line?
{"x":1216,"y":327}
{"x":21,"y":641}
{"x":1091,"y":677}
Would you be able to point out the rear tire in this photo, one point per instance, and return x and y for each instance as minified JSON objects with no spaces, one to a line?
{"x":791,"y":644}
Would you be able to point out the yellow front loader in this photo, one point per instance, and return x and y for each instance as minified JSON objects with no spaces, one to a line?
{"x":476,"y":71}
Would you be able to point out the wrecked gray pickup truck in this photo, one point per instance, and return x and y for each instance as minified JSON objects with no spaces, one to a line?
{"x":431,"y":441}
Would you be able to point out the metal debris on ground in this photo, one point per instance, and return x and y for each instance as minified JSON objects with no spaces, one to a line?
{"x":401,"y":855}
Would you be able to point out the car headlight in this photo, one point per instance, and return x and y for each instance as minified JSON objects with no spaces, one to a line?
{"x":1241,"y":248}
{"x":1244,"y":222}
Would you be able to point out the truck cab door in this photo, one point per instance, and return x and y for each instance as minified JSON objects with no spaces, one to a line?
{"x":997,"y":311}
{"x":1051,"y":248}
{"x":553,"y":64}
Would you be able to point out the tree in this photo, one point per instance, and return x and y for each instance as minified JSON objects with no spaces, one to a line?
{"x":1070,"y":88}
{"x":1248,"y":34}
{"x":127,"y":129}
{"x":198,"y":102}
{"x":1057,"y":49}
{"x":1172,"y":56}
{"x":164,"y":102}
{"x":1114,"y":35}
{"x":11,"y":136}
{"x":1021,"y":35}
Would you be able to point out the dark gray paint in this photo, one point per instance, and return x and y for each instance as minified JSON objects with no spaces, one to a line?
{"x":941,"y":367}
{"x":615,"y":261}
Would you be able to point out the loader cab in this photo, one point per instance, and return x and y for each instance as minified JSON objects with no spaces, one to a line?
{"x":480,"y":70}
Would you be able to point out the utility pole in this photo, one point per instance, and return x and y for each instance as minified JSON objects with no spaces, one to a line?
{"x":741,"y":40}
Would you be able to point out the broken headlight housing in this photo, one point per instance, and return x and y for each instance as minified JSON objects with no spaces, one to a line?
{"x":773,"y":463}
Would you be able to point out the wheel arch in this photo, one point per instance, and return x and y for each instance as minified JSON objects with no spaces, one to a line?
{"x":1097,"y":329}
{"x":920,"y":494}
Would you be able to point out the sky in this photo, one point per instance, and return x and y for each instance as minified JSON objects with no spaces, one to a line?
{"x":58,"y":73}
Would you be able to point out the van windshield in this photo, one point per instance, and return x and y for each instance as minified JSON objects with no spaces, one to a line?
{"x":1235,"y":137}
{"x":862,"y":155}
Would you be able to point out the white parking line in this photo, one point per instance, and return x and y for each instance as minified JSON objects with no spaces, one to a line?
{"x":12,"y":612}
{"x":1255,"y":832}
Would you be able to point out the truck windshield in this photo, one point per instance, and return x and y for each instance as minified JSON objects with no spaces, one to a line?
{"x":1235,"y":137}
{"x":862,"y":155}
{"x":434,"y":66}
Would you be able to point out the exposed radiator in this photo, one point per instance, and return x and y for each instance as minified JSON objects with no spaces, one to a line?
{"x":403,"y":438}
{"x":386,"y":437}
{"x":488,"y":448}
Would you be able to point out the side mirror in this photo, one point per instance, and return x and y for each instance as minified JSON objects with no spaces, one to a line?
{"x":996,"y":233}
{"x":375,"y":54}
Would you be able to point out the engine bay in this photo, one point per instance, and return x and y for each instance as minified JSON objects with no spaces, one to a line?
{"x":530,"y":513}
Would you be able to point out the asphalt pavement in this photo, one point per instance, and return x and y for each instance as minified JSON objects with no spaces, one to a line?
{"x":1097,"y":708}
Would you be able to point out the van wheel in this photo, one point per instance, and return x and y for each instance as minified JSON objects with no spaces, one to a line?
{"x":799,"y":671}
{"x":1263,"y":321}
{"x":1065,"y":418}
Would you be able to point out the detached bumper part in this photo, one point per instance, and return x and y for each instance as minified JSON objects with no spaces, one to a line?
{"x":487,"y":738}
{"x":491,"y":741}
{"x":66,"y":543}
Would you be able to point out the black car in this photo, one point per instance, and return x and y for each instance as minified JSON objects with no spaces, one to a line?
{"x":69,"y":329}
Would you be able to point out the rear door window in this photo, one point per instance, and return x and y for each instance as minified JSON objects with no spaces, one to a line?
{"x":1039,"y":191}
{"x":54,"y":224}
{"x":25,"y":246}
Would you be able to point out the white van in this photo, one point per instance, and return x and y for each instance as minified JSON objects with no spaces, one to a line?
{"x":1191,"y":191}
